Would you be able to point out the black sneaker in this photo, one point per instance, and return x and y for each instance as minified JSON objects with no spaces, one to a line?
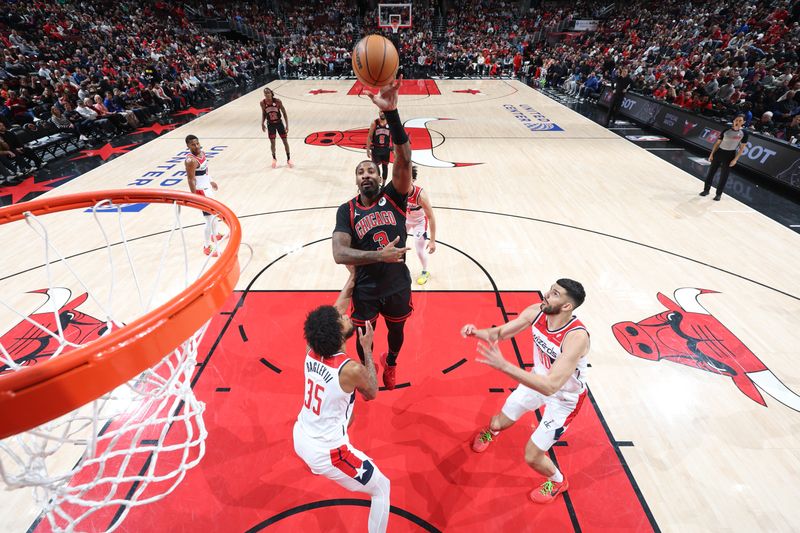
{"x":704,"y":193}
{"x":718,"y":197}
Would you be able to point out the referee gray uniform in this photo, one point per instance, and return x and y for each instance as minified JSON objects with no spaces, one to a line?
{"x":729,"y":144}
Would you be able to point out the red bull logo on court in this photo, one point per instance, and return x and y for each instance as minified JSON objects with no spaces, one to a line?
{"x":687,"y":334}
{"x":56,"y":325}
{"x":418,"y":134}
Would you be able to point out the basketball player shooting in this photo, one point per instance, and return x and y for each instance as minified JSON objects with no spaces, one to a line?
{"x":330,"y":382}
{"x":370,"y":234}
{"x":557,"y":382}
{"x":200,"y":183}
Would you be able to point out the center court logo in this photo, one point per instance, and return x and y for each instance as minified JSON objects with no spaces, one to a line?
{"x":531,"y":119}
{"x":419,"y":136}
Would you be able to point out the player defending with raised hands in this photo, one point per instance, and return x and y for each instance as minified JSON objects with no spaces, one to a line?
{"x":330,"y":382}
{"x":200,"y":183}
{"x":370,"y":233}
{"x":557,"y":382}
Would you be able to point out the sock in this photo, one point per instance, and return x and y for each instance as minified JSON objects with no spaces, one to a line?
{"x":214,"y":230}
{"x":208,"y":230}
{"x":558,"y":477}
{"x":391,"y":359}
{"x":419,"y":244}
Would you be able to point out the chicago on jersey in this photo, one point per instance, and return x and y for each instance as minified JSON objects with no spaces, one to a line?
{"x":272,"y":110}
{"x":372,"y":228}
{"x":547,"y":348}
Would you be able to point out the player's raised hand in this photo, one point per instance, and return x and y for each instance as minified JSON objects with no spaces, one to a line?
{"x":490,"y":355}
{"x":365,"y":335}
{"x":386,"y":99}
{"x":391,"y":254}
{"x":468,"y":330}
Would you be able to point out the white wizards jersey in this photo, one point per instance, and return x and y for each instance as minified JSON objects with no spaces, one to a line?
{"x":326,"y":407}
{"x":547,"y":348}
{"x":414,"y":212}
{"x":203,"y":179}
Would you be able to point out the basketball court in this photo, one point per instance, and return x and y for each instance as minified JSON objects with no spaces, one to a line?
{"x":691,"y":305}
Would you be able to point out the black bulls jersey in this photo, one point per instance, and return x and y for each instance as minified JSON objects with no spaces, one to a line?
{"x":380,"y":137}
{"x":371,"y":229}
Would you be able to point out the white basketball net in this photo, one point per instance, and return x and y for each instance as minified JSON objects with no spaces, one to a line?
{"x":137,"y":441}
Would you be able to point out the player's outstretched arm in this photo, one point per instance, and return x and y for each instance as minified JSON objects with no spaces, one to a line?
{"x":576,"y":344}
{"x":386,"y":100}
{"x":506,"y":331}
{"x":363,"y":378}
{"x":342,"y":303}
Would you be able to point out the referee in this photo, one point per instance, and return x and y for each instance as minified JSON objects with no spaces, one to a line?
{"x":724,"y":155}
{"x":620,"y":86}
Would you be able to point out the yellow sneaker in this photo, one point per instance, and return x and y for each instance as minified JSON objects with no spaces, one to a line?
{"x":423,"y":277}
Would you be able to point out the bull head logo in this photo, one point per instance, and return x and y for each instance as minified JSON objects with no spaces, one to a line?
{"x":418,"y":134}
{"x":687,"y":334}
{"x":26,"y":343}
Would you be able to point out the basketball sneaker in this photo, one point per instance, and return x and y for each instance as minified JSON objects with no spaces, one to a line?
{"x":483,"y":439}
{"x":219,"y":236}
{"x":389,"y":372}
{"x":211,"y":250}
{"x":547,"y":491}
{"x":274,"y":163}
{"x":289,"y":163}
{"x":423,"y":277}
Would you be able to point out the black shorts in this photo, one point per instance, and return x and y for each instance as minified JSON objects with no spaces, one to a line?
{"x":394,"y":308}
{"x":381,"y":155}
{"x":276,"y":128}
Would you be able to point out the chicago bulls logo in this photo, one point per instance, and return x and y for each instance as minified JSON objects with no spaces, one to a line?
{"x":35,"y":338}
{"x":687,"y":334}
{"x":418,"y":134}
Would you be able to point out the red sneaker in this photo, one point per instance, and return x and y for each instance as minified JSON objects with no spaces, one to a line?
{"x":289,"y":164}
{"x":483,"y":439}
{"x":274,"y":163}
{"x":547,"y":491}
{"x":388,"y":373}
{"x":211,"y":250}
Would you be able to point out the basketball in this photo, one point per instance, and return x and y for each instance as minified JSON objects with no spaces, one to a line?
{"x":375,"y":61}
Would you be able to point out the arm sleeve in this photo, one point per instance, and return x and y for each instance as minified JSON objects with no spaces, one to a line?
{"x":745,"y":137}
{"x":343,"y":219}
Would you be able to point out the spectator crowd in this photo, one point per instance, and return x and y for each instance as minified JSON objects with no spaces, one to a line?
{"x":102,"y":68}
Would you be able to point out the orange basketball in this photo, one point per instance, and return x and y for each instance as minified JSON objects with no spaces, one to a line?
{"x":375,"y":61}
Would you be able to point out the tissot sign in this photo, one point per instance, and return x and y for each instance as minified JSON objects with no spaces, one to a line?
{"x":765,"y":155}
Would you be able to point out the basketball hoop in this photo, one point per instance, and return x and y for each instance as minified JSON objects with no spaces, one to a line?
{"x":124,"y":394}
{"x":395,"y":24}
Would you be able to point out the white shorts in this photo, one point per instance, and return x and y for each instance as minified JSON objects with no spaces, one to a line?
{"x":417,"y":228}
{"x":558,"y":412}
{"x":208,"y":192}
{"x":349,"y":467}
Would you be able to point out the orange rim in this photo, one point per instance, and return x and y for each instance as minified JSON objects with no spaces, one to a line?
{"x":37,"y":394}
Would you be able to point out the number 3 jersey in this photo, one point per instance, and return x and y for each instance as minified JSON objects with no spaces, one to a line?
{"x":547,"y":348}
{"x":371,"y":229}
{"x":326,"y":407}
